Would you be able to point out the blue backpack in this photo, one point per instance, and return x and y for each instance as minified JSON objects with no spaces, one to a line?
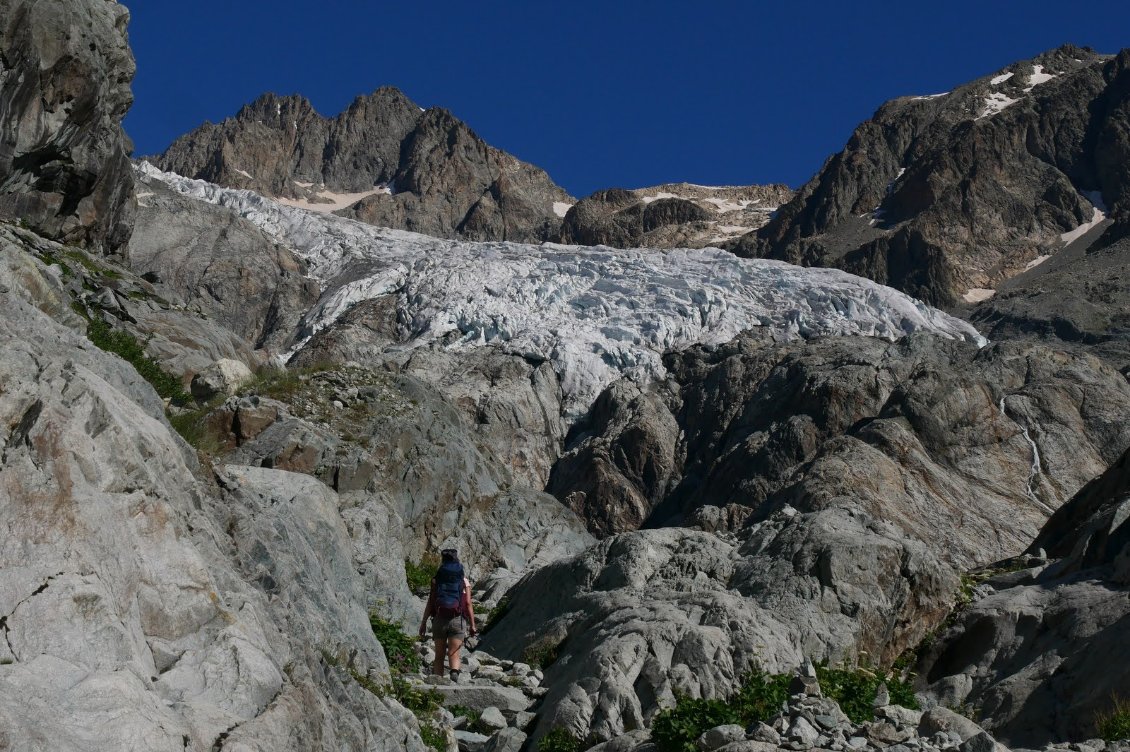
{"x":449,"y":589}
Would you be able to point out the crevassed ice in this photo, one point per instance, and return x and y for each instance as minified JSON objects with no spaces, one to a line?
{"x":596,"y":314}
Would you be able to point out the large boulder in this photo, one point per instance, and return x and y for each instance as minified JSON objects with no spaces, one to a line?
{"x":65,"y":83}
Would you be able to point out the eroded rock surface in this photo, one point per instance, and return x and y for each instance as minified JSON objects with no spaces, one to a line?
{"x":1035,"y":654}
{"x":65,"y":72}
{"x":193,"y":615}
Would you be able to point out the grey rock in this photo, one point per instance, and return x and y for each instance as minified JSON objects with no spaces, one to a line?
{"x":748,"y":745}
{"x":231,"y":589}
{"x":64,"y":169}
{"x":763,"y":732}
{"x":241,"y":278}
{"x":223,"y":377}
{"x":492,"y":718}
{"x":479,"y":697}
{"x":980,"y":743}
{"x":633,"y":741}
{"x":800,"y":730}
{"x":671,"y":215}
{"x":523,"y":720}
{"x":720,"y":736}
{"x":470,"y":741}
{"x":506,"y":740}
{"x":456,"y":493}
{"x":621,"y":460}
{"x":1046,"y":675}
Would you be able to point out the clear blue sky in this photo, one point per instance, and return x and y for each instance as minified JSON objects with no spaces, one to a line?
{"x":600,"y":94}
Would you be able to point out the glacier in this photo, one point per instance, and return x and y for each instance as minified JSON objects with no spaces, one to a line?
{"x":596,"y":313}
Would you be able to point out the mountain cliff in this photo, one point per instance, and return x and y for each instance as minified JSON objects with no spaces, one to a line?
{"x":383,"y":160}
{"x":946,"y":196}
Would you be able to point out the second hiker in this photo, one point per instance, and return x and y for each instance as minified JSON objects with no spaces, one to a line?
{"x":449,"y":607}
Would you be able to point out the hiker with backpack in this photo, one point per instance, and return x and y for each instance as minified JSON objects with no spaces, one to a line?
{"x":449,"y":608}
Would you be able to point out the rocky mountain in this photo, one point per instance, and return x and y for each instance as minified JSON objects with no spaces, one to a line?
{"x":227,"y":454}
{"x":383,"y":160}
{"x":674,"y":215}
{"x":947,"y":196}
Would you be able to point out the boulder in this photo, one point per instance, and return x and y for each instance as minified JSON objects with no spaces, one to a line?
{"x":223,"y":377}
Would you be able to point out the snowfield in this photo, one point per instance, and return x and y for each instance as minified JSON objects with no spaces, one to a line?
{"x":596,"y":314}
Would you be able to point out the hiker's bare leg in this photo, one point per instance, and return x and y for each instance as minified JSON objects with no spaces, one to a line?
{"x":441,"y":648}
{"x":453,"y":658}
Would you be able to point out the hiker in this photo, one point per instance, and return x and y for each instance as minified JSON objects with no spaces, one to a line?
{"x":449,"y":606}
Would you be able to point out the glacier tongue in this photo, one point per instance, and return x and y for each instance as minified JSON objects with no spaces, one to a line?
{"x":596,"y":313}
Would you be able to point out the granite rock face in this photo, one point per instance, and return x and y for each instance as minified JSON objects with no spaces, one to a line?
{"x":849,"y":481}
{"x":384,"y":161}
{"x":65,"y":73}
{"x":221,"y":265}
{"x":1034,"y":655}
{"x":946,"y":196}
{"x":756,"y":424}
{"x":195,"y":614}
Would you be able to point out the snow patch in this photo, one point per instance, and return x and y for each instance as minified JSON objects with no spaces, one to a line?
{"x":1036,"y":262}
{"x":998,"y":80}
{"x":657,"y":196}
{"x":597,"y":314}
{"x":1038,"y":77}
{"x":978,"y":294}
{"x":245,"y":173}
{"x":994,"y":103}
{"x":930,"y":96}
{"x":561,"y":208}
{"x":1083,"y":229}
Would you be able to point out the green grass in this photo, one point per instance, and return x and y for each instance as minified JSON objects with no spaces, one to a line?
{"x":542,"y":653}
{"x":855,"y":689}
{"x":433,"y":737}
{"x":676,"y":729}
{"x":125,"y":346}
{"x":558,"y":739}
{"x":399,"y":647}
{"x":500,"y":610}
{"x":760,"y":699}
{"x":1114,"y":724}
{"x":420,"y":575}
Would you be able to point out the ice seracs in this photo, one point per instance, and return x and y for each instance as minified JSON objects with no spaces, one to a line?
{"x":596,"y":313}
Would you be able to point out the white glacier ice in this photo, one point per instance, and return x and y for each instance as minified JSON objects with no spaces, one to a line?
{"x":595,"y":313}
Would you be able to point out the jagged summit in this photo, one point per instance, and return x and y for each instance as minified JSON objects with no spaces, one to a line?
{"x":415,"y":169}
{"x":948,"y":195}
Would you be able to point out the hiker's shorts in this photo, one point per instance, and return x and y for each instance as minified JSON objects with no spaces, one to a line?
{"x":449,"y":627}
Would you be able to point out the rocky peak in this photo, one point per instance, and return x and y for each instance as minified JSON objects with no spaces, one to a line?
{"x":64,"y":167}
{"x":947,"y":195}
{"x":384,"y":160}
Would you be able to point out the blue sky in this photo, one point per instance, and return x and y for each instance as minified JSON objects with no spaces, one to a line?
{"x":600,"y":94}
